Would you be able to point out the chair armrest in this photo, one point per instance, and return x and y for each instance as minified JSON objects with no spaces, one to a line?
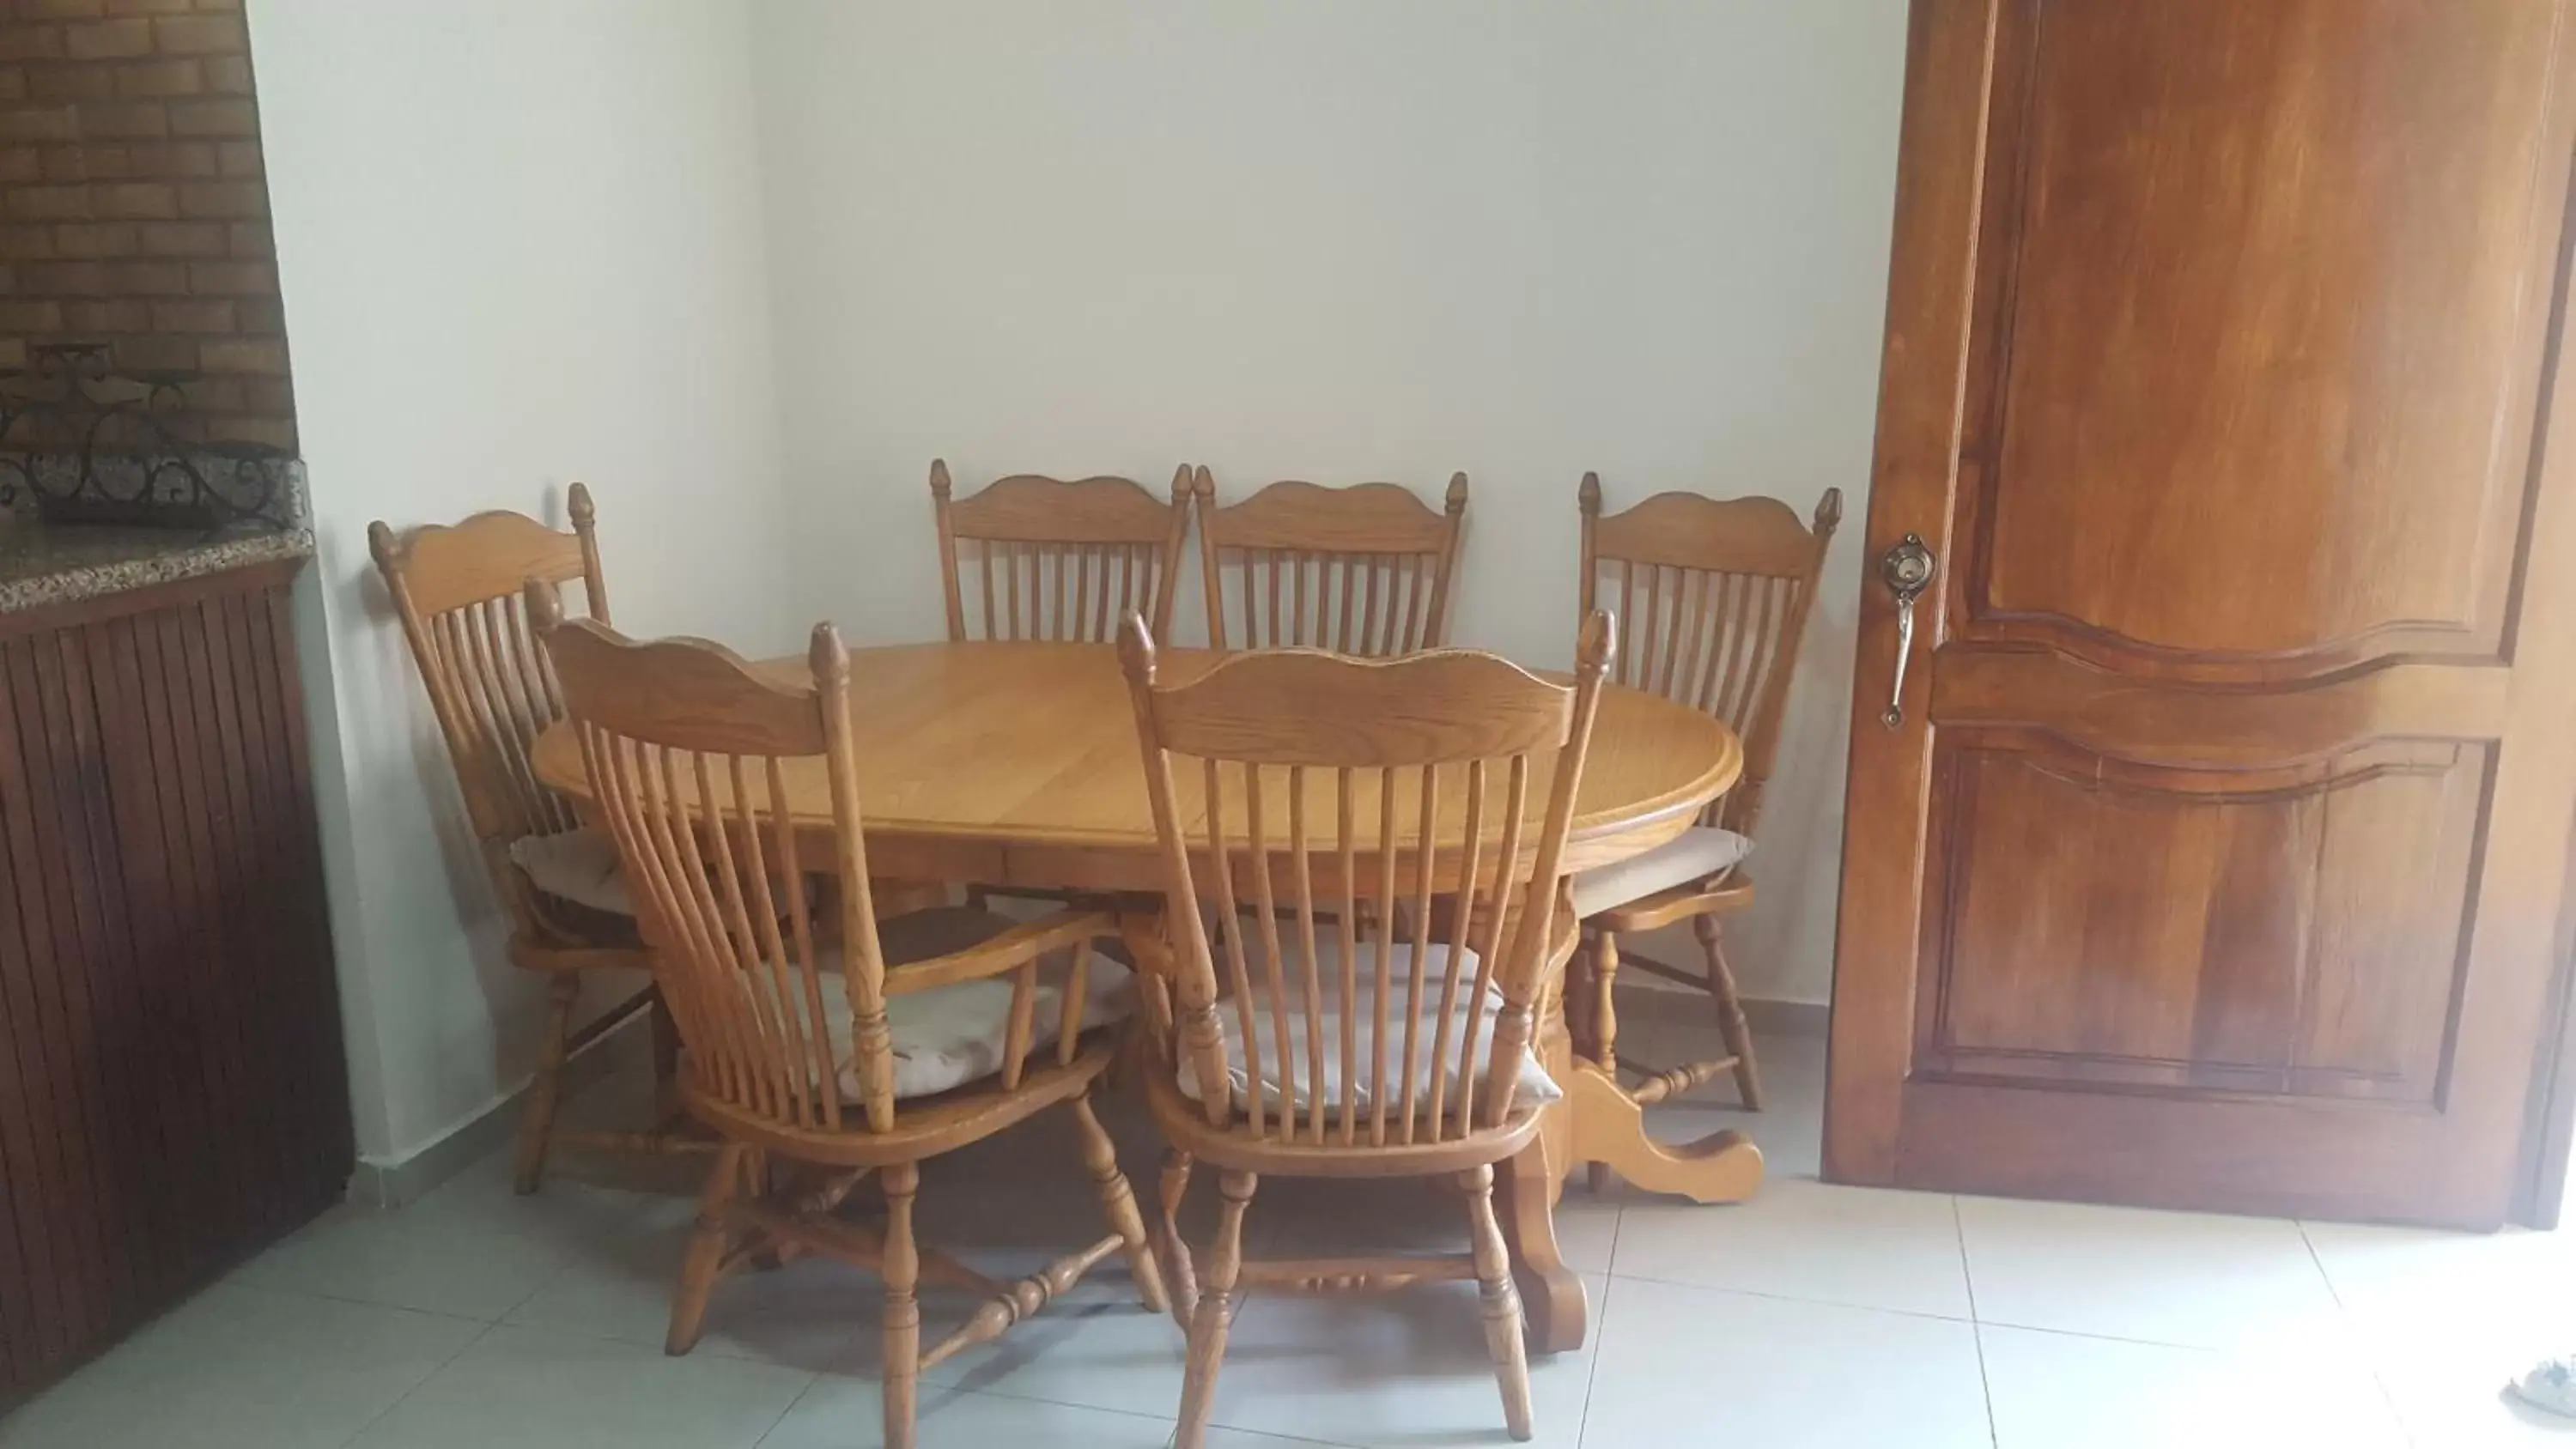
{"x":1004,"y":953}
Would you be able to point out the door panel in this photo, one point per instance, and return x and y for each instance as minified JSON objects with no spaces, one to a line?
{"x":2218,"y":857}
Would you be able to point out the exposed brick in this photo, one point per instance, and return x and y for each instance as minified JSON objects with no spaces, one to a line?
{"x":213,"y":318}
{"x":231,"y":5}
{"x":147,"y":7}
{"x":142,"y":78}
{"x":228,"y":74}
{"x":152,"y":160}
{"x":216,"y":395}
{"x":232,"y":279}
{"x":109,"y":121}
{"x":135,"y":200}
{"x":182,"y":239}
{"x":19,"y":164}
{"x":13,"y":84}
{"x":63,"y":84}
{"x":108,"y":314}
{"x":261,"y":316}
{"x":147,"y":279}
{"x":239,"y":158}
{"x":228,"y":116}
{"x":38,"y":123}
{"x":223,"y":199}
{"x":31,"y":42}
{"x":274,"y":396}
{"x":61,"y":9}
{"x":13,"y":352}
{"x":201,"y":35}
{"x":20,"y":316}
{"x":251,"y":239}
{"x":96,"y":239}
{"x":275,"y":432}
{"x":243,"y":354}
{"x":63,"y":279}
{"x":64,"y":163}
{"x":26,"y":243}
{"x":49,"y":203}
{"x":141,"y":354}
{"x":107,"y":39}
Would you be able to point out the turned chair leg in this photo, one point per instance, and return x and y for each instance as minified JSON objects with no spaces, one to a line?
{"x":704,"y":1262}
{"x":1502,"y":1301}
{"x":1179,"y":1273}
{"x":1605,"y":1029}
{"x":1118,"y":1203}
{"x":1730,"y":1013}
{"x":537,"y":1122}
{"x":1215,"y":1313}
{"x":902,"y":1309}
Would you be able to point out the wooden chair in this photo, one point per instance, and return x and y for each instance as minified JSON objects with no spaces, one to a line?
{"x":826,"y":1046}
{"x":456,"y":589}
{"x":1358,"y":570}
{"x":1323,"y":1047}
{"x":1713,"y":596}
{"x":1057,"y":560}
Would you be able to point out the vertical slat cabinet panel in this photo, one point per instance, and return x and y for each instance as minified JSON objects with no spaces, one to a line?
{"x":173,"y":1094}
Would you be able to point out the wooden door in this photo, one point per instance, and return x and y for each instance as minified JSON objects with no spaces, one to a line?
{"x":2220,"y":855}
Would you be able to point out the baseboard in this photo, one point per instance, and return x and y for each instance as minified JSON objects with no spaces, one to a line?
{"x":406,"y":1180}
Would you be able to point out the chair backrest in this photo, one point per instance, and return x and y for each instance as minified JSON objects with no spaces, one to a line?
{"x":1057,"y":560}
{"x":686,"y":745}
{"x":457,"y":589}
{"x":1712,"y":597}
{"x":1291,"y":791}
{"x":1358,"y":570}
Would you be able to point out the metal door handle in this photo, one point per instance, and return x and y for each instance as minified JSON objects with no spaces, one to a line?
{"x":1907,"y":572}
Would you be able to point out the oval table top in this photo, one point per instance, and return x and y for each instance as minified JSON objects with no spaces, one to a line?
{"x":1017,"y":764}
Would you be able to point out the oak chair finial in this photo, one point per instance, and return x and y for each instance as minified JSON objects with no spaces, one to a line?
{"x":1588,"y":495}
{"x":381,"y":543}
{"x":939,"y":484}
{"x":545,"y":606}
{"x":1454,"y":502}
{"x":578,"y":507}
{"x":1829,"y":516}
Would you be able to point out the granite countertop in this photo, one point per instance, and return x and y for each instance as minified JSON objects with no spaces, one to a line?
{"x":45,"y":564}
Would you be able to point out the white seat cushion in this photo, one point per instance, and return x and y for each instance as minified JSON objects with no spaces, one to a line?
{"x":1535,"y":1087}
{"x":949,"y":1036}
{"x":1698,"y":853}
{"x":575,"y":865}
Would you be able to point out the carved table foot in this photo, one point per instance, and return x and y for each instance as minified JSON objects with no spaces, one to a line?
{"x":1610,"y":1128}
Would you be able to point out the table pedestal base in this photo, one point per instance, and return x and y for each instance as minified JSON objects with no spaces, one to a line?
{"x":1610,"y":1128}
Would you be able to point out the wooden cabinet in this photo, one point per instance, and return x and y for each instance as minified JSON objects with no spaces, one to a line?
{"x":172,"y":1095}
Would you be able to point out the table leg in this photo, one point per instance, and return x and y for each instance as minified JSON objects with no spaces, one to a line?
{"x":1551,"y":1295}
{"x":1610,"y":1128}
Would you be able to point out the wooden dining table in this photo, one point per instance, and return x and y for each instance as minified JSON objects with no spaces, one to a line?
{"x":1016,"y":765}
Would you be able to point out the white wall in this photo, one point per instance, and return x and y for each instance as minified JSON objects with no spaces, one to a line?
{"x":519,"y":244}
{"x":1345,"y":240}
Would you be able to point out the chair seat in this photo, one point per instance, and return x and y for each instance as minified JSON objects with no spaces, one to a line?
{"x":949,"y":1036}
{"x":575,"y":865}
{"x":1696,"y":854}
{"x":1535,"y":1087}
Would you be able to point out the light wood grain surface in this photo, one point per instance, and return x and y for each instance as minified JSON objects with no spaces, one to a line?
{"x":1017,"y":763}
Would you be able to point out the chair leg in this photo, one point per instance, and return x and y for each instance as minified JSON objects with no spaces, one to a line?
{"x":1215,"y":1313}
{"x":666,"y":1061}
{"x":1730,"y":1013}
{"x":537,"y":1122}
{"x":704,"y":1262}
{"x":1504,"y":1340}
{"x":1118,"y":1203}
{"x":902,"y":1309}
{"x":1180,"y":1275}
{"x":1605,"y":1029}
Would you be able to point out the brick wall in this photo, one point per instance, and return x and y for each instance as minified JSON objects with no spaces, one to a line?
{"x":133,"y":210}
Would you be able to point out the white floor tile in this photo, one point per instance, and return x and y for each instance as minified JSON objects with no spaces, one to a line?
{"x":841,"y":1413}
{"x":1859,"y":1247}
{"x":2193,"y":1279}
{"x":240,"y":1368}
{"x":2458,"y":1401}
{"x":1682,"y":1365}
{"x":1406,"y":1368}
{"x":542,"y":1390}
{"x":2054,"y":1389}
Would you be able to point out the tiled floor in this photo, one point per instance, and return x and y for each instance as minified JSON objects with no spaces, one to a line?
{"x":1815,"y":1315}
